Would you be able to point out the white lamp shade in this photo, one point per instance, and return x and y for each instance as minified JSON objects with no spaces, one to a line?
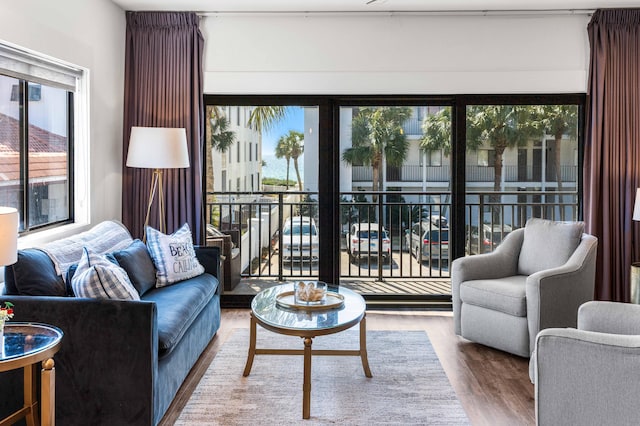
{"x":158,"y":148}
{"x":8,"y":235}
{"x":636,"y":207}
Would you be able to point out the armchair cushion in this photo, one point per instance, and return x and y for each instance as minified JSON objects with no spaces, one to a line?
{"x":506,"y":295}
{"x":548,"y":244}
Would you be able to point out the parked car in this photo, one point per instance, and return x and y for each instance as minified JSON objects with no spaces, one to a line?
{"x":364,"y":241}
{"x":427,"y":241}
{"x":300,"y":240}
{"x":491,"y":237}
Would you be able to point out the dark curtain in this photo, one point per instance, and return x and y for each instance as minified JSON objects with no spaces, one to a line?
{"x":612,"y":151}
{"x":163,"y":88}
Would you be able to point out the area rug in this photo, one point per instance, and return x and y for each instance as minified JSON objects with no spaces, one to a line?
{"x":408,"y":387}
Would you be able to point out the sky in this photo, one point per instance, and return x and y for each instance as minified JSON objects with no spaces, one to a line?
{"x":294,"y":120}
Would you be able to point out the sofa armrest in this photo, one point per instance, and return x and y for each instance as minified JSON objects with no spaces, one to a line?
{"x":584,"y":377}
{"x":107,"y":365}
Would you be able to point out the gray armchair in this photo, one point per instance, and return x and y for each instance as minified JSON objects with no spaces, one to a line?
{"x":590,"y":375}
{"x":536,"y":279}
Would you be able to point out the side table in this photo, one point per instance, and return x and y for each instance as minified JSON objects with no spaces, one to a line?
{"x":24,"y":346}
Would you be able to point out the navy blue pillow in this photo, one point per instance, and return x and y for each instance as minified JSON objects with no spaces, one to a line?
{"x":34,"y":275}
{"x":136,"y":261}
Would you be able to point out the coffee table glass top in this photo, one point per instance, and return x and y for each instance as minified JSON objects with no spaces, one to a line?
{"x":24,"y":339}
{"x":266,"y":310}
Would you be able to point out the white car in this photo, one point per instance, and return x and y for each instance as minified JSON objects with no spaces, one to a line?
{"x":300,"y":240}
{"x":366,"y":240}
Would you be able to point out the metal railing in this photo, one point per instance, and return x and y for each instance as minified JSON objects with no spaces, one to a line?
{"x":512,"y":173}
{"x":489,"y":217}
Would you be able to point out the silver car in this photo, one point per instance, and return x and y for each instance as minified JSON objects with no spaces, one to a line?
{"x":300,"y":240}
{"x":427,"y":241}
{"x":368,"y":240}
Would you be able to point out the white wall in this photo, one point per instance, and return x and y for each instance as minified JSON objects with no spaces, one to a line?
{"x":90,"y":34}
{"x":351,"y":54}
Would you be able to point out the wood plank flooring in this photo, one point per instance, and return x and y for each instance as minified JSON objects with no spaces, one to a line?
{"x":493,"y":386}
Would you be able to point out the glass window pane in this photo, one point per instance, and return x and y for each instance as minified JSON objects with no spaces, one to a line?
{"x":10,"y":179}
{"x":277,"y":221}
{"x":48,"y":148}
{"x":521,"y":163}
{"x":395,"y":172}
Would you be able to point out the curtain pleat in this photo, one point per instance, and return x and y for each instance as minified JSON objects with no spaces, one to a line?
{"x":612,"y":151}
{"x":163,"y":88}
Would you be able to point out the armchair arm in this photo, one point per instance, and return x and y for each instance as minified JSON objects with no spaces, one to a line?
{"x":107,"y":365}
{"x":583,"y":377}
{"x":503,"y":262}
{"x":554,"y":295}
{"x":609,"y":317}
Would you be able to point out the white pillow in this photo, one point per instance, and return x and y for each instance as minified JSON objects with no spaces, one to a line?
{"x":173,"y":255}
{"x":98,"y":278}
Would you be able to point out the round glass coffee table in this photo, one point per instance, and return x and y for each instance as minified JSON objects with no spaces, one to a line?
{"x":315,"y":321}
{"x":25,"y":345}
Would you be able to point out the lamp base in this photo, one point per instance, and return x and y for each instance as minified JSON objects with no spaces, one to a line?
{"x":635,"y":283}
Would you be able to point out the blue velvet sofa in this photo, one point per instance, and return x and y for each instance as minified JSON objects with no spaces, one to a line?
{"x":121,"y":362}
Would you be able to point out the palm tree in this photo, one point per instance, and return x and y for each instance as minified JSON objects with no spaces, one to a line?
{"x":556,"y":120}
{"x":263,"y":117}
{"x":436,"y":131}
{"x":291,"y":146}
{"x":377,"y":134}
{"x":502,"y":127}
{"x":220,"y":138}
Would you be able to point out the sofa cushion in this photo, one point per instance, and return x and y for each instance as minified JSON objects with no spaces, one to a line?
{"x":548,"y":244}
{"x":99,"y":278}
{"x":35,"y":275}
{"x":137,"y":262}
{"x":173,"y":255}
{"x":506,"y":295}
{"x":178,"y":306}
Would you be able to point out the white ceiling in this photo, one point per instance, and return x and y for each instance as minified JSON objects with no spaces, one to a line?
{"x":248,"y":6}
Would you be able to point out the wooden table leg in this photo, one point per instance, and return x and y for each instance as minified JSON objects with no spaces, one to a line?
{"x":48,"y":393}
{"x":252,"y":347}
{"x":363,"y":347}
{"x":306,"y":385}
{"x":30,"y":395}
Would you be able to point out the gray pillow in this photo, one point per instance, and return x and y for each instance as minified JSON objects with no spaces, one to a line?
{"x":136,"y":261}
{"x":548,"y":244}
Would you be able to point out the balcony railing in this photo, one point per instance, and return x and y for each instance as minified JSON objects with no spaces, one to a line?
{"x":489,"y":217}
{"x":512,"y":173}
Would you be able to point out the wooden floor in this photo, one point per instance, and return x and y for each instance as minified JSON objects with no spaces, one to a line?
{"x":493,"y":386}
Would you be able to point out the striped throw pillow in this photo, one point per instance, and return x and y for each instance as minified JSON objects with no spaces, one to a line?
{"x":98,"y":278}
{"x":173,"y":255}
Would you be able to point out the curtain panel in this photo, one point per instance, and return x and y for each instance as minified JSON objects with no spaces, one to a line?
{"x":164,"y":88}
{"x":612,"y":150}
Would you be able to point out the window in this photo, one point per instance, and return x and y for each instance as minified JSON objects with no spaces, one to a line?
{"x":36,"y":131}
{"x":238,"y":152}
{"x":434,"y":158}
{"x":486,"y":157}
{"x":250,"y":151}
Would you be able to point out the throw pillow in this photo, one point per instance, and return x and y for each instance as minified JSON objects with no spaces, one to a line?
{"x":173,"y":255}
{"x":98,"y":278}
{"x":548,"y":244}
{"x":34,"y":275}
{"x":136,"y":261}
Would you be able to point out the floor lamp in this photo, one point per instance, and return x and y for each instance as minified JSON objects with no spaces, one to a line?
{"x":635,"y":267}
{"x":157,"y":148}
{"x":8,"y":236}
